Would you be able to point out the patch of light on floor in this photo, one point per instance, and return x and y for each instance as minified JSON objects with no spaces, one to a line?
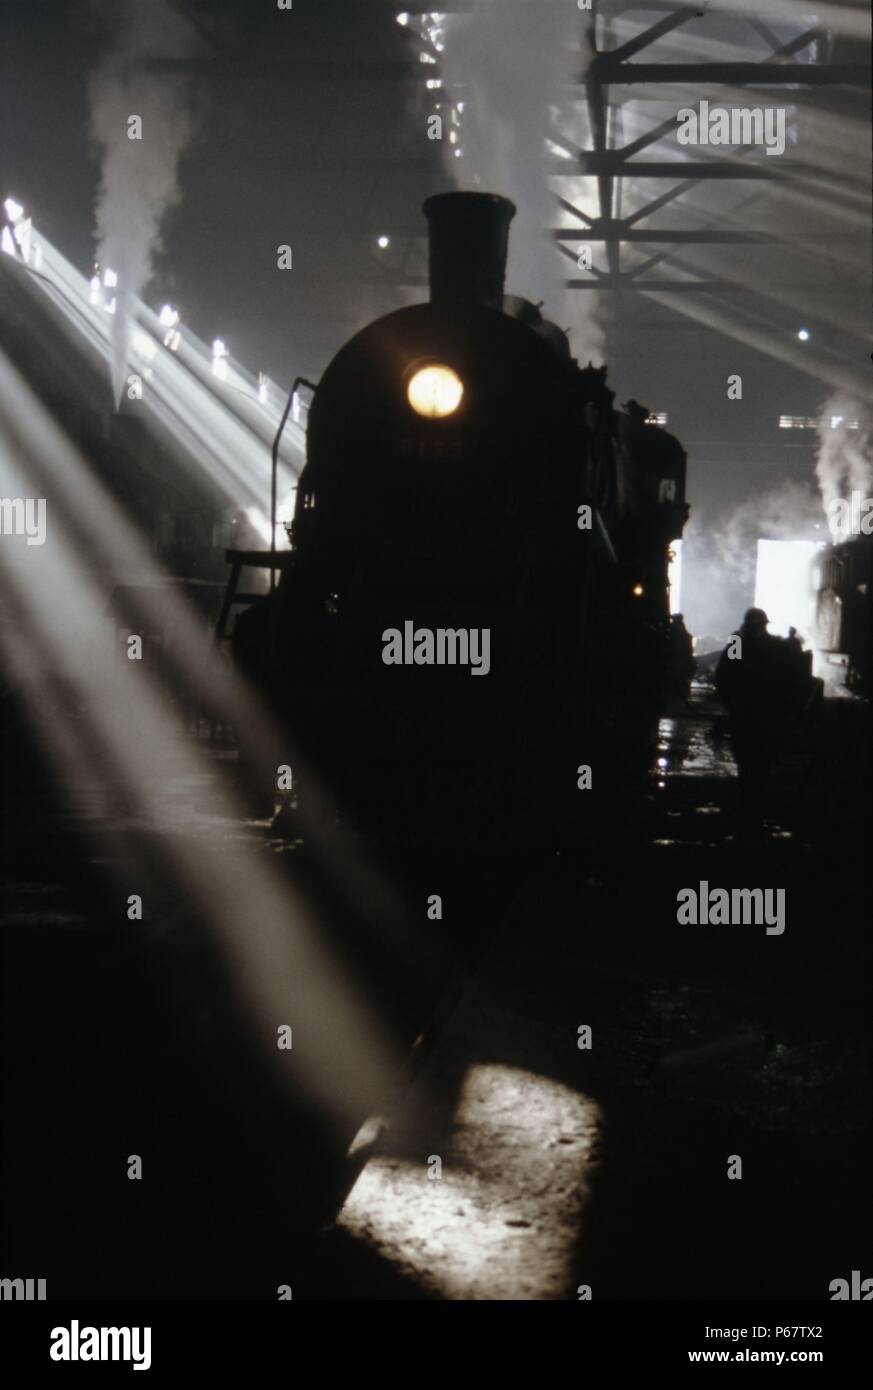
{"x":502,"y":1221}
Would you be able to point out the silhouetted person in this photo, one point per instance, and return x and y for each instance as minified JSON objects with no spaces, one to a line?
{"x":682,"y":663}
{"x":801,"y":669}
{"x":759,"y":687}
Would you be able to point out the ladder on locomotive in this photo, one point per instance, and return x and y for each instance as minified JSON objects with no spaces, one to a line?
{"x":238,"y":560}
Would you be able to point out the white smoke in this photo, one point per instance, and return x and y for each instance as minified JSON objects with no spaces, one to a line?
{"x":720,"y":553}
{"x":845,"y":455}
{"x":139,"y":178}
{"x":511,"y":62}
{"x":791,"y":511}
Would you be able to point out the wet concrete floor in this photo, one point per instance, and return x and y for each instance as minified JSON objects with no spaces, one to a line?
{"x":573,"y":1164}
{"x":515,"y":1164}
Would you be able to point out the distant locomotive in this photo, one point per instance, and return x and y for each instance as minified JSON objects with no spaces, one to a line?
{"x":844,"y":608}
{"x":471,"y":504}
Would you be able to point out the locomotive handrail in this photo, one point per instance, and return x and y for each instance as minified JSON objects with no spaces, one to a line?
{"x":274,"y":473}
{"x":259,"y":559}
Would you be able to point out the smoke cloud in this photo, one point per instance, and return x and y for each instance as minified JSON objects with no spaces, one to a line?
{"x":139,"y":177}
{"x":719,"y":554}
{"x":845,"y":456}
{"x":790,"y":511}
{"x":510,"y":63}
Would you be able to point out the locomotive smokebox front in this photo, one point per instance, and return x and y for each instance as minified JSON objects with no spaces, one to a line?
{"x":469,"y":240}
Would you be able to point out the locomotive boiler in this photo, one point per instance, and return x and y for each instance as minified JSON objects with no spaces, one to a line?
{"x":473,"y":611}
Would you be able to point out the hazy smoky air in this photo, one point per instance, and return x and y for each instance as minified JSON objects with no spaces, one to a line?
{"x":790,"y":511}
{"x":845,"y":456}
{"x":721,"y":553}
{"x":139,"y":178}
{"x":510,"y":62}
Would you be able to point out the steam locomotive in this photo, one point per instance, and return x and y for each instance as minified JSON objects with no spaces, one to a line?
{"x":472,"y":505}
{"x":842,"y":577}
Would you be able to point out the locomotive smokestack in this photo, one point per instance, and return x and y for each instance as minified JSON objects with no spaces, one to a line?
{"x":469,"y":238}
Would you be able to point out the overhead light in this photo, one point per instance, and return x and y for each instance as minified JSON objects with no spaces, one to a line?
{"x":804,"y":335}
{"x":22,"y":233}
{"x":13,"y":210}
{"x":169,"y":319}
{"x":219,"y":359}
{"x":144,"y":345}
{"x":383,"y":241}
{"x":110,"y":279}
{"x":403,"y":19}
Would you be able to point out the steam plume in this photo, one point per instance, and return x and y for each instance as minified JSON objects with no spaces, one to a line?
{"x":790,"y":511}
{"x":845,"y":456}
{"x":719,"y":553}
{"x":510,"y":62}
{"x":139,"y":178}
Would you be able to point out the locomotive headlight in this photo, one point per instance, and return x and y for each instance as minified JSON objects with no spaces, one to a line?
{"x":435,"y":391}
